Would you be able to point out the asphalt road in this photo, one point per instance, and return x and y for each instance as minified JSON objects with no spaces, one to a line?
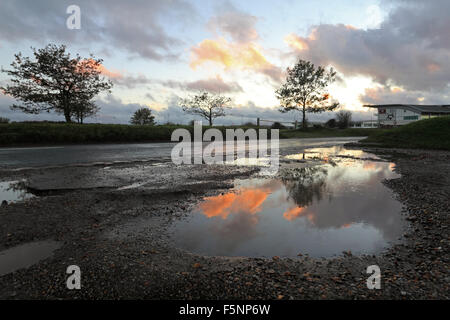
{"x":25,"y":157}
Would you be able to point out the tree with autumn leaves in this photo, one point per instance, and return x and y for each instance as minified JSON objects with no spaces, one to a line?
{"x":305,"y":89}
{"x":55,"y":81}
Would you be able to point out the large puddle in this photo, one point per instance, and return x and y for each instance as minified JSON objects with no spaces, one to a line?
{"x":325,"y":201}
{"x":26,"y":255}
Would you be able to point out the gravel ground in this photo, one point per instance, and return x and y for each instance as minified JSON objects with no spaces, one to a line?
{"x":113,"y":223}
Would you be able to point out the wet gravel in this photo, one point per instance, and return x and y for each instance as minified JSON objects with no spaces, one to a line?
{"x":119,"y":238}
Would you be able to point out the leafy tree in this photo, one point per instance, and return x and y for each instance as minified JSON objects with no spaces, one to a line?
{"x":206,"y":105}
{"x":277,"y":125}
{"x":343,"y":119}
{"x":83,"y":109}
{"x":4,"y":120}
{"x":305,"y":89}
{"x":331,"y":123}
{"x":55,"y":81}
{"x":143,"y":116}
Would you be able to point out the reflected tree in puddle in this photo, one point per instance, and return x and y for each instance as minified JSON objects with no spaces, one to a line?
{"x":321,"y":210}
{"x":305,"y":185}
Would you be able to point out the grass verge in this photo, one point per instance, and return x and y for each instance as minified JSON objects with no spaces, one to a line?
{"x":424,"y":134}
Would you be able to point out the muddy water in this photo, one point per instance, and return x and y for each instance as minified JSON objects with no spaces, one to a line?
{"x":323,"y":202}
{"x":26,"y":255}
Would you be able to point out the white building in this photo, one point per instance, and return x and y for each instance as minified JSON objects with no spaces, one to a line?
{"x":367,"y":124}
{"x":400,"y":114}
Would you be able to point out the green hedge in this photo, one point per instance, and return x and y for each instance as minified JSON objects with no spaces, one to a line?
{"x":71,"y":133}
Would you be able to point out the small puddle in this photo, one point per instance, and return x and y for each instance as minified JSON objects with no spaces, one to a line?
{"x":26,"y":255}
{"x":13,"y":191}
{"x":320,"y":210}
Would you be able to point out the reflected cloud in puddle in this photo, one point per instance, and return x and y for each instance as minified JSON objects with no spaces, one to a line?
{"x":320,"y":210}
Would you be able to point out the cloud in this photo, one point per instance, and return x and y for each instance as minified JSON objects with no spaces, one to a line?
{"x":214,"y":85}
{"x":240,"y":56}
{"x":131,"y":81}
{"x":238,"y":25}
{"x":382,"y":94}
{"x":14,"y":115}
{"x":410,"y":48}
{"x":116,"y":24}
{"x":235,"y":46}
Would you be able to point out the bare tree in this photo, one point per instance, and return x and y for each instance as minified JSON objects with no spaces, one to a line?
{"x":55,"y":81}
{"x":206,"y":105}
{"x":343,"y":119}
{"x":305,"y":89}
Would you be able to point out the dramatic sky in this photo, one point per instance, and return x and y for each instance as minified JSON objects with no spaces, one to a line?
{"x":158,"y":51}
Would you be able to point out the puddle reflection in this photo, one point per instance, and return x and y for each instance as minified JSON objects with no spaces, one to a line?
{"x":13,"y":191}
{"x":320,"y":210}
{"x":26,"y":255}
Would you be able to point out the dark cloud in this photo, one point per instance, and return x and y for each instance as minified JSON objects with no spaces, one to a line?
{"x":131,"y":81}
{"x":117,"y":25}
{"x":14,"y":115}
{"x":213,"y":85}
{"x":382,"y":95}
{"x":411,"y":48}
{"x":240,"y":26}
{"x":114,"y":110}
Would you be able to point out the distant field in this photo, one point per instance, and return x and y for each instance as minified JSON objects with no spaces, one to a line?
{"x":43,"y":133}
{"x":424,"y":134}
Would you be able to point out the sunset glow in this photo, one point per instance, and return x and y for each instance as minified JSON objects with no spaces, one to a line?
{"x":161,"y":52}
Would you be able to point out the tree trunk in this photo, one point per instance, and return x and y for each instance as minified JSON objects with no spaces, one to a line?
{"x":66,"y":107}
{"x":67,"y":116}
{"x":304,"y":118}
{"x":210,"y":118}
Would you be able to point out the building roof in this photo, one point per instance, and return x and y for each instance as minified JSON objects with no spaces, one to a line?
{"x":443,"y":108}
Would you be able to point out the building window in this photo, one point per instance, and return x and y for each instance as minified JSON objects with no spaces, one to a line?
{"x":411,"y":118}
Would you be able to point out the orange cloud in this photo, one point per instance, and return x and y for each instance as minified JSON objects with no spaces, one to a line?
{"x":211,"y":50}
{"x":296,"y":42}
{"x":347,"y":225}
{"x":248,"y":201}
{"x":87,"y":64}
{"x":396,"y":89}
{"x":433,"y":67}
{"x":298,"y":212}
{"x":350,"y":27}
{"x":109,"y":73}
{"x":243,"y":56}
